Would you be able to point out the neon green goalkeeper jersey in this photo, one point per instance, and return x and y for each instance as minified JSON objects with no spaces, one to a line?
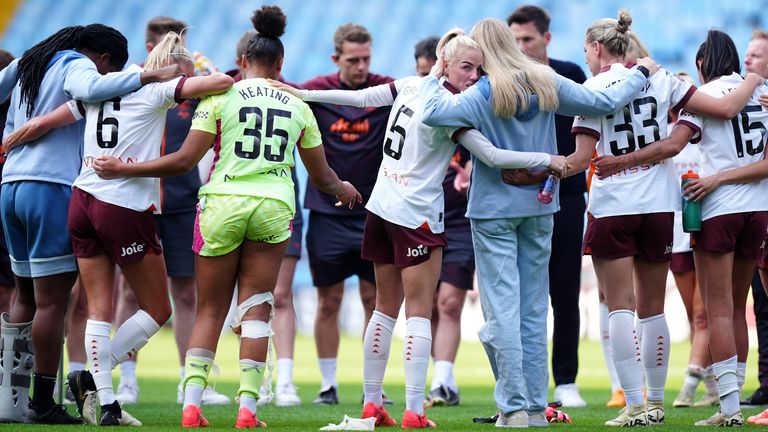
{"x":256,"y":128}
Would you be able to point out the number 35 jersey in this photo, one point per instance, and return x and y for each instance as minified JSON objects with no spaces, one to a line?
{"x":130,"y":128}
{"x":729,"y":144}
{"x":257,"y":127}
{"x":647,"y":188}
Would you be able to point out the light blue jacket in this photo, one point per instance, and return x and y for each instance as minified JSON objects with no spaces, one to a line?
{"x":56,"y":157}
{"x":534,"y":130}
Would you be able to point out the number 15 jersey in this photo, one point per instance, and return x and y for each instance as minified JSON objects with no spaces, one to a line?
{"x":728,"y":144}
{"x":256,"y":128}
{"x":648,"y":188}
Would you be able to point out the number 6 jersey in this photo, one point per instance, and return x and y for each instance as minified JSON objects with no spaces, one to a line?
{"x":728,"y":144}
{"x":128,"y":127}
{"x":647,"y":188}
{"x":257,"y":127}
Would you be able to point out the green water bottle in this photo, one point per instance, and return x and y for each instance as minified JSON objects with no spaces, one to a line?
{"x":691,"y":209}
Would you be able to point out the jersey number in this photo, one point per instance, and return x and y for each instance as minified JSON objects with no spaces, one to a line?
{"x":629,"y":111}
{"x":110,"y":122}
{"x":256,"y":133}
{"x":742,"y":126}
{"x":389,"y":148}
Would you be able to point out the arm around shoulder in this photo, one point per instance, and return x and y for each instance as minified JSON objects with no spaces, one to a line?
{"x":200,"y":86}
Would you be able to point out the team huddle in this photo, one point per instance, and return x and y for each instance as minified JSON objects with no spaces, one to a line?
{"x":414,"y":183}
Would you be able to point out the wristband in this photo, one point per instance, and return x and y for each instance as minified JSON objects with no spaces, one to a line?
{"x":644,"y":70}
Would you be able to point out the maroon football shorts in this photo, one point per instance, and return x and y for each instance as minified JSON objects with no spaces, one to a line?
{"x":388,"y":243}
{"x":682,"y":262}
{"x":763,"y":261}
{"x":96,"y":227}
{"x":647,"y":237}
{"x":740,"y":233}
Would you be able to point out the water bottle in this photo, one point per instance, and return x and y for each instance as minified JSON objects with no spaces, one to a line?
{"x":547,"y":189}
{"x":691,"y":209}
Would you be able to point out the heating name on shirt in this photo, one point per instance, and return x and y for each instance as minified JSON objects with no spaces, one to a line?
{"x":249,"y":92}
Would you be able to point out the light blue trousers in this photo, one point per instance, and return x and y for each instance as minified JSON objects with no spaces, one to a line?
{"x":512,"y":257}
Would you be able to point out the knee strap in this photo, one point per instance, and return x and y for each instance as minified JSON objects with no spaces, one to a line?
{"x":255,"y":329}
{"x":252,"y":301}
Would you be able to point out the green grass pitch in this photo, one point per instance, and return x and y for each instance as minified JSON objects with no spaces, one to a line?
{"x":158,"y":373}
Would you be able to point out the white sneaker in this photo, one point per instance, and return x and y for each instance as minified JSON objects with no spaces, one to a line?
{"x":569,"y":396}
{"x":126,"y":419}
{"x":515,"y":419}
{"x":721,"y":420}
{"x":655,"y":412}
{"x":537,"y":419}
{"x":630,"y":416}
{"x":90,"y":408}
{"x":127,"y":393}
{"x":286,"y":396}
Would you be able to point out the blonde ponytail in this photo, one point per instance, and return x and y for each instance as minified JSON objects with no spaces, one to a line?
{"x":170,"y":50}
{"x":453,"y":42}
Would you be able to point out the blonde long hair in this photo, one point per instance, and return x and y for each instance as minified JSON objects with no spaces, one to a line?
{"x":514,"y":77}
{"x":453,"y":42}
{"x":170,"y":50}
{"x":636,"y":48}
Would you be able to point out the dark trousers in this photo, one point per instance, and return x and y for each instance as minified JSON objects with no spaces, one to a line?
{"x":565,"y":285}
{"x":761,"y":320}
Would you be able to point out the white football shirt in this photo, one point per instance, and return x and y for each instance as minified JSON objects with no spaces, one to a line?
{"x":728,"y":144}
{"x":130,"y":128}
{"x":409,"y":186}
{"x":648,"y":188}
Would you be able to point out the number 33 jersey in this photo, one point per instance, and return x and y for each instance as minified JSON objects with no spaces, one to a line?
{"x":130,"y":128}
{"x":257,"y":126}
{"x":728,"y":144}
{"x":409,"y":187}
{"x":647,"y":188}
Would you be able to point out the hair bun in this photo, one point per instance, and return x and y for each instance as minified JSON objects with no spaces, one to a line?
{"x":625,"y":20}
{"x":269,"y":21}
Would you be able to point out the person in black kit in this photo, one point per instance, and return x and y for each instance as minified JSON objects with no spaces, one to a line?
{"x":352,"y":139}
{"x":530,"y":25}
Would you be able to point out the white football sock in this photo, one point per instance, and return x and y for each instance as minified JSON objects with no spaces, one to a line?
{"x":76,"y":366}
{"x":605,"y":341}
{"x":132,"y":335}
{"x":416,"y":349}
{"x":284,"y":372}
{"x":693,"y":376}
{"x":741,"y":373}
{"x":128,"y":371}
{"x":727,"y":385}
{"x":328,"y":371}
{"x":98,"y":349}
{"x":655,"y":353}
{"x":626,"y":354}
{"x":443,"y":374}
{"x":376,"y":345}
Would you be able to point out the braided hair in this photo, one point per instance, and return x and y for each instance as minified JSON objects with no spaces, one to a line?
{"x":94,"y":37}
